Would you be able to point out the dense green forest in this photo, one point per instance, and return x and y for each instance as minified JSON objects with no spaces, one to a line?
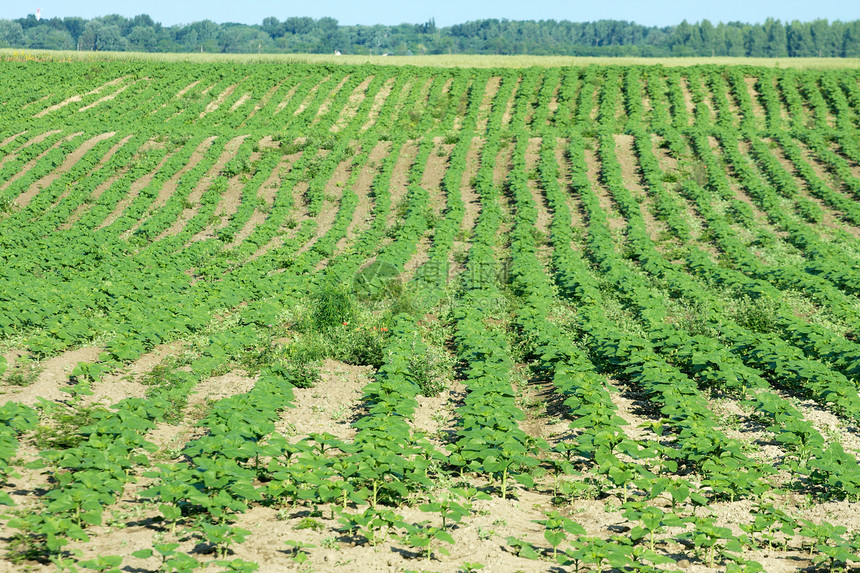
{"x":773,"y":38}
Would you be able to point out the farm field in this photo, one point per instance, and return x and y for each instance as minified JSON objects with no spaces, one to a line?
{"x":319,"y":317}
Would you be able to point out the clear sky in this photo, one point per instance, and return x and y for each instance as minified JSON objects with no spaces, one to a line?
{"x":446,"y":12}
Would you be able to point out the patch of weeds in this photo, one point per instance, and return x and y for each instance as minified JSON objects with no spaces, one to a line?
{"x":24,"y":373}
{"x":756,"y":314}
{"x":310,"y":523}
{"x":172,"y":385}
{"x":332,"y":307}
{"x":307,"y":349}
{"x":361,"y":346}
{"x":60,"y":429}
{"x":486,"y":533}
{"x":430,"y":369}
{"x":299,"y":374}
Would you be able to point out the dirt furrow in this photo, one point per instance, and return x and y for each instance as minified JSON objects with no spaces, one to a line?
{"x":166,"y":190}
{"x":70,"y":161}
{"x":77,"y":98}
{"x":230,"y":151}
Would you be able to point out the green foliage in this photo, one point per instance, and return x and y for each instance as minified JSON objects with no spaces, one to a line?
{"x":24,"y":373}
{"x":331,"y":307}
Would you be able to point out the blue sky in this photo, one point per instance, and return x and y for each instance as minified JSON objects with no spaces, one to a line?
{"x":447,"y":12}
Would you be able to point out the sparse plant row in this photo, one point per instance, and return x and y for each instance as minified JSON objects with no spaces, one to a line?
{"x":588,"y":85}
{"x":14,"y":160}
{"x":540,"y":115}
{"x":46,"y":163}
{"x":738,"y":89}
{"x":844,"y":116}
{"x":684,"y":408}
{"x":609,"y":101}
{"x":666,"y":207}
{"x":816,"y":287}
{"x":601,"y":433}
{"x":846,"y":145}
{"x":849,"y":86}
{"x":677,"y":104}
{"x":191,"y":227}
{"x":431,"y":279}
{"x":82,"y":177}
{"x":79,"y":194}
{"x":730,"y":371}
{"x":706,"y":360}
{"x":489,"y":439}
{"x":792,"y":327}
{"x":702,"y":117}
{"x":814,"y":100}
{"x":832,"y":161}
{"x":815,"y":340}
{"x":824,"y":260}
{"x":770,"y":101}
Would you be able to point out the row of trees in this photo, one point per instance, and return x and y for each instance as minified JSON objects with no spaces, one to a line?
{"x":773,"y":38}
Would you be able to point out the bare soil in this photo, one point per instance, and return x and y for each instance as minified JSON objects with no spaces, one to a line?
{"x":218,"y":101}
{"x":54,"y":375}
{"x":70,"y":161}
{"x":77,"y":98}
{"x":230,"y":151}
{"x":330,"y":406}
{"x":434,"y":174}
{"x":359,"y":94}
{"x":378,"y":101}
{"x":613,"y":217}
{"x":32,"y":163}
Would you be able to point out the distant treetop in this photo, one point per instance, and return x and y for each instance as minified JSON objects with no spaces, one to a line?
{"x":773,"y":38}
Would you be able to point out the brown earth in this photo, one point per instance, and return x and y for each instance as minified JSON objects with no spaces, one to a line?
{"x":53,"y":376}
{"x":613,"y":217}
{"x":32,"y":163}
{"x":378,"y":101}
{"x":68,"y":163}
{"x":490,"y":91}
{"x":77,"y":98}
{"x":434,"y":174}
{"x":358,"y":95}
{"x":230,"y":151}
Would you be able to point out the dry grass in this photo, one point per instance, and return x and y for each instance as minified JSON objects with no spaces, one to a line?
{"x":440,"y":61}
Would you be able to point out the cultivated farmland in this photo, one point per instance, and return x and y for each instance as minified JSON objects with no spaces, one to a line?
{"x":356,"y":317}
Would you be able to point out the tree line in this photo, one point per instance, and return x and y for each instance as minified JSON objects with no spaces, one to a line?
{"x":773,"y":38}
